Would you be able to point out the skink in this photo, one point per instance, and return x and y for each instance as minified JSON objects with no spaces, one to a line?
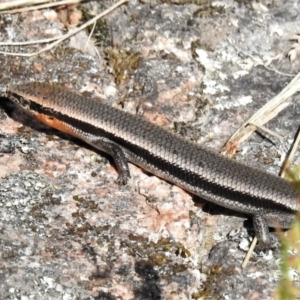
{"x":270,"y":200}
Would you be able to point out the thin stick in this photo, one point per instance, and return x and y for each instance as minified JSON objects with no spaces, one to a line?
{"x":267,"y":130}
{"x":249,"y":253}
{"x":90,"y":36}
{"x":42,"y":41}
{"x":291,"y":156}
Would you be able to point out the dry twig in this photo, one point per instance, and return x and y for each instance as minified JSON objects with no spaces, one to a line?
{"x":263,"y":115}
{"x":64,"y":37}
{"x":27,"y":5}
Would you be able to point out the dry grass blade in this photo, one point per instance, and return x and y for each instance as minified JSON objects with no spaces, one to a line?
{"x":24,"y":5}
{"x":263,"y":115}
{"x":69,"y":34}
{"x":249,"y":253}
{"x":29,"y":42}
{"x":19,"y":3}
{"x":291,"y":156}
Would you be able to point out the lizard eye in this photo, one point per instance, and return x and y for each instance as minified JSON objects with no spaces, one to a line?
{"x":23,"y":103}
